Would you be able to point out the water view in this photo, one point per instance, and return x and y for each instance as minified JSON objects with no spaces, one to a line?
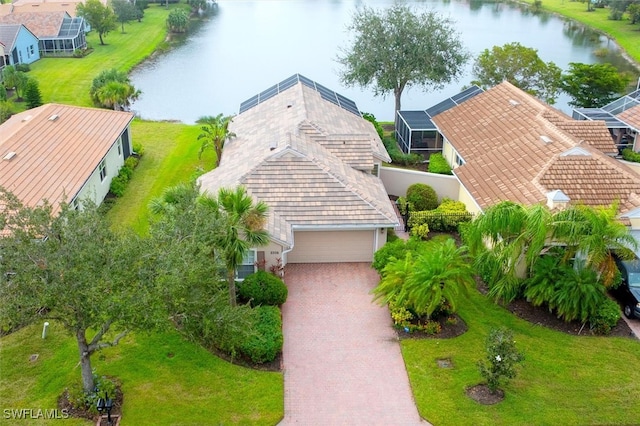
{"x":246,"y":46}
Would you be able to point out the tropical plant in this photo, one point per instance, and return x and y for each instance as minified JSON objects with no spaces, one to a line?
{"x":501,"y":358}
{"x":578,"y":295}
{"x":117,"y":95}
{"x":436,"y":277}
{"x":215,"y":133}
{"x":243,"y":227}
{"x":379,"y":55}
{"x":520,"y":66}
{"x":101,"y":18}
{"x":394,"y":250}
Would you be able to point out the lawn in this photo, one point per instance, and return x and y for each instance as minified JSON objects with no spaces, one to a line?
{"x":564,"y":380}
{"x":626,"y":35}
{"x":165,"y":380}
{"x":67,"y":80}
{"x":170,"y":157}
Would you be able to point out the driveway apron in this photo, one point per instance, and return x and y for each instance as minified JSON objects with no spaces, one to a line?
{"x":341,"y":358}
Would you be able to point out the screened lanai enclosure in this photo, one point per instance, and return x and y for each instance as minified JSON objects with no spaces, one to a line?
{"x":416,"y":133}
{"x":621,"y":117}
{"x":70,"y":38}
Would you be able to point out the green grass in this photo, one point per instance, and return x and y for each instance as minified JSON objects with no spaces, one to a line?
{"x":170,"y":157}
{"x":67,"y":80}
{"x":189,"y":387}
{"x":564,"y":380}
{"x":626,"y":36}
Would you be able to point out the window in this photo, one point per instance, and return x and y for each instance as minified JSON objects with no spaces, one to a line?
{"x":248,"y":265}
{"x":119,"y":146}
{"x":459,"y":160}
{"x":75,"y":204}
{"x":103,"y":171}
{"x":376,"y":170}
{"x":31,"y":50}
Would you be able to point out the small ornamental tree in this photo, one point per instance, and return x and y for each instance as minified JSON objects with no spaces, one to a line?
{"x":32,"y":94}
{"x":501,"y":358}
{"x":422,"y":197}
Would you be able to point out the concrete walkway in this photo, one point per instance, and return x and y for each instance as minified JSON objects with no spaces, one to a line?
{"x":342,"y":361}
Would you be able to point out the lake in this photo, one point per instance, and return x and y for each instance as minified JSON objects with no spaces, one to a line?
{"x":246,"y":46}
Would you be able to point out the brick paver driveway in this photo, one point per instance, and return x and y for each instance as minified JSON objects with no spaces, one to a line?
{"x":342,"y":362}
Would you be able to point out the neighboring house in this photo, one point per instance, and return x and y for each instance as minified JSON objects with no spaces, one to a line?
{"x":20,"y":44}
{"x":621,"y":116}
{"x":3,"y":62}
{"x":6,"y":8}
{"x":310,"y":156}
{"x":504,"y":144}
{"x":416,"y":133}
{"x":61,"y":152}
{"x":57,"y":32}
{"x":68,"y":6}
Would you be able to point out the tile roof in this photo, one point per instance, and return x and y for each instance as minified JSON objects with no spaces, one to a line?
{"x":308,"y":159}
{"x":55,"y":156}
{"x":5,"y":8}
{"x":631,"y":117}
{"x":517,"y":148}
{"x":68,"y":6}
{"x":43,"y":24}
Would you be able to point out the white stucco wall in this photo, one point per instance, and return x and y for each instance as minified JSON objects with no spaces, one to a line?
{"x":96,"y":189}
{"x":396,"y":181}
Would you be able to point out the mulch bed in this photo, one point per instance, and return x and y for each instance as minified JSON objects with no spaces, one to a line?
{"x":482,"y":394}
{"x":118,"y":399}
{"x":448,"y":330}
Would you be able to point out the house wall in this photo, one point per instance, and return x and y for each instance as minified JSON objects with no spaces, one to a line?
{"x":449,"y":153}
{"x":26,"y":48}
{"x":468,"y":200}
{"x":272,"y":253}
{"x":96,"y":189}
{"x":396,"y":181}
{"x":634,"y":166}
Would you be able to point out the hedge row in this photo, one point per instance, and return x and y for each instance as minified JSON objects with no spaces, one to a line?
{"x":119,"y":183}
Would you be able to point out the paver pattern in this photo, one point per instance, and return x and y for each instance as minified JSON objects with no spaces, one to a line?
{"x":342,"y":360}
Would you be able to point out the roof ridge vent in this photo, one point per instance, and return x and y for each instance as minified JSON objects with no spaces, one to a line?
{"x":9,"y":155}
{"x":514,"y":102}
{"x":27,"y":118}
{"x":545,"y":139}
{"x":54,"y":117}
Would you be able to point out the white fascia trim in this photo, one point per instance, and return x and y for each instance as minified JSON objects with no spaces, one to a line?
{"x":366,"y":227}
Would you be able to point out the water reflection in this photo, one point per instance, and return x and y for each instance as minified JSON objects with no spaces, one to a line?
{"x":245,"y":46}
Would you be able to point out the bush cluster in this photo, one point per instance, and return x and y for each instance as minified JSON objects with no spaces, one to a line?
{"x":266,"y":343}
{"x":629,"y":154}
{"x":605,"y":317}
{"x":262,"y":288}
{"x":119,"y":183}
{"x":445,"y":218}
{"x":399,"y":157}
{"x":396,"y":249}
{"x":421,"y":196}
{"x":438,"y":164}
{"x":81,"y":400}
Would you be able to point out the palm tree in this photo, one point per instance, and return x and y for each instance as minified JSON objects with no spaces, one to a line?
{"x":117,"y":95}
{"x":243,"y":223}
{"x":593,"y":235}
{"x":436,"y":277}
{"x":215,"y":132}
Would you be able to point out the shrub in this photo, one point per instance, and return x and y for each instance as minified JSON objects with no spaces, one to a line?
{"x":372,"y":119}
{"x":131,"y":162}
{"x":629,"y":154}
{"x":606,"y":317}
{"x":3,"y":93}
{"x":262,"y":288}
{"x":431,"y":327}
{"x":138,"y":149}
{"x":119,"y":184}
{"x":438,"y":164}
{"x":78,"y":53}
{"x":501,"y":358}
{"x":422,"y":197}
{"x":266,"y":344}
{"x":403,"y":159}
{"x":421,"y":231}
{"x":23,"y":67}
{"x":446,"y":218}
{"x":578,"y":295}
{"x":84,"y":401}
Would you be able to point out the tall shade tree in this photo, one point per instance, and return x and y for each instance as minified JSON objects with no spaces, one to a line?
{"x":242,"y":227}
{"x":73,"y":269}
{"x":593,"y":85}
{"x":125,"y":12}
{"x":437,"y":275}
{"x":101,"y":18}
{"x":215,"y":133}
{"x":520,"y":66}
{"x":398,"y":48}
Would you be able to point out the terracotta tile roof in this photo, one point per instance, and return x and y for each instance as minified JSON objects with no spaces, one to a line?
{"x":631,"y":117}
{"x":68,"y":6}
{"x":5,"y":8}
{"x":517,"y":148}
{"x":55,"y":157}
{"x":44,"y":24}
{"x":305,"y":158}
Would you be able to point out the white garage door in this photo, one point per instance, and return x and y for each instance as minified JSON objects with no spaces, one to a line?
{"x":332,"y":246}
